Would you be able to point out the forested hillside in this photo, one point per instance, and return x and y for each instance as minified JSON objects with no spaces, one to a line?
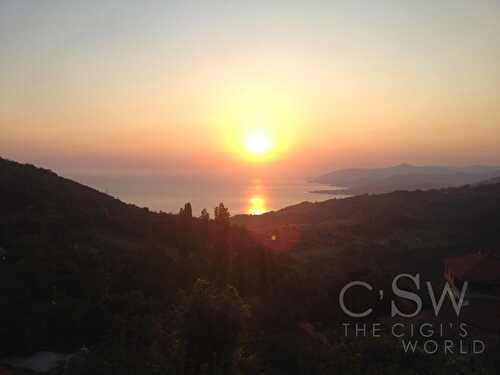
{"x":82,"y":268}
{"x":155,"y":293}
{"x":465,"y":216}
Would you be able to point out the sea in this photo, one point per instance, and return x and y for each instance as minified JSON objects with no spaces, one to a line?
{"x":253,"y":196}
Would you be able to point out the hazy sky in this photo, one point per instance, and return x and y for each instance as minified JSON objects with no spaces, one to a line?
{"x":159,"y":85}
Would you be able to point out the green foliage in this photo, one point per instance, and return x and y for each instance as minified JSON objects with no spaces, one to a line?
{"x":212,"y":325}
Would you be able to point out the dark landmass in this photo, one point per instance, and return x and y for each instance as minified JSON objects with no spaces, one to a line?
{"x":435,"y":209}
{"x":406,"y":177}
{"x":156,"y":293}
{"x":495,"y":180}
{"x":341,"y":192}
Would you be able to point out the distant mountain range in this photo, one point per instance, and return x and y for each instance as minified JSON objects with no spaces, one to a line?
{"x":404,"y":177}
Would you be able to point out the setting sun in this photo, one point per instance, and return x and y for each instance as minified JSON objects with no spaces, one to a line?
{"x":258,"y":143}
{"x":258,"y":122}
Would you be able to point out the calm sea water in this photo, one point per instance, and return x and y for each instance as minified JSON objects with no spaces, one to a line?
{"x":168,"y":194}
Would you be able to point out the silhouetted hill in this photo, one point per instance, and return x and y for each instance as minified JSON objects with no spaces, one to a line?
{"x":153,"y":293}
{"x":491,"y":181}
{"x":71,"y":253}
{"x":37,"y":204}
{"x":406,"y":177}
{"x":463,"y":216}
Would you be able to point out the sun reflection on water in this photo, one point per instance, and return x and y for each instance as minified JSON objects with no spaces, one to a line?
{"x":257,"y":205}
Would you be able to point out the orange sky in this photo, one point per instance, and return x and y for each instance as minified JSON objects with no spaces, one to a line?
{"x":175,"y":88}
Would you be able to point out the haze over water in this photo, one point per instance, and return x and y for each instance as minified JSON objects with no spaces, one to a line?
{"x":242,"y":195}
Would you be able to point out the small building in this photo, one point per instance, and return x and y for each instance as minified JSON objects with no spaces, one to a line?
{"x":481,"y":271}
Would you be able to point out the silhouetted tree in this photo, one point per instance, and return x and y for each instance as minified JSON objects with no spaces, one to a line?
{"x":205,"y":216}
{"x":187,"y":211}
{"x":221,"y":214}
{"x":187,"y":241}
{"x":222,"y":245}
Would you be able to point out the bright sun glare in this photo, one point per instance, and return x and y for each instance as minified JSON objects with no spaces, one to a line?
{"x":258,"y":123}
{"x":258,"y":143}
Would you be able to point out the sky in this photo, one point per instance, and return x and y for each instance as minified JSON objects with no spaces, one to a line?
{"x":177,"y":87}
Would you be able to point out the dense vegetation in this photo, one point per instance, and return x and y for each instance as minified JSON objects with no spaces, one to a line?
{"x":155,"y":293}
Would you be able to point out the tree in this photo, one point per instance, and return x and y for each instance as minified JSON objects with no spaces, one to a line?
{"x":222,"y":259}
{"x":221,"y":214}
{"x":186,"y":229}
{"x":205,"y":216}
{"x":212,"y":326}
{"x":187,"y":211}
